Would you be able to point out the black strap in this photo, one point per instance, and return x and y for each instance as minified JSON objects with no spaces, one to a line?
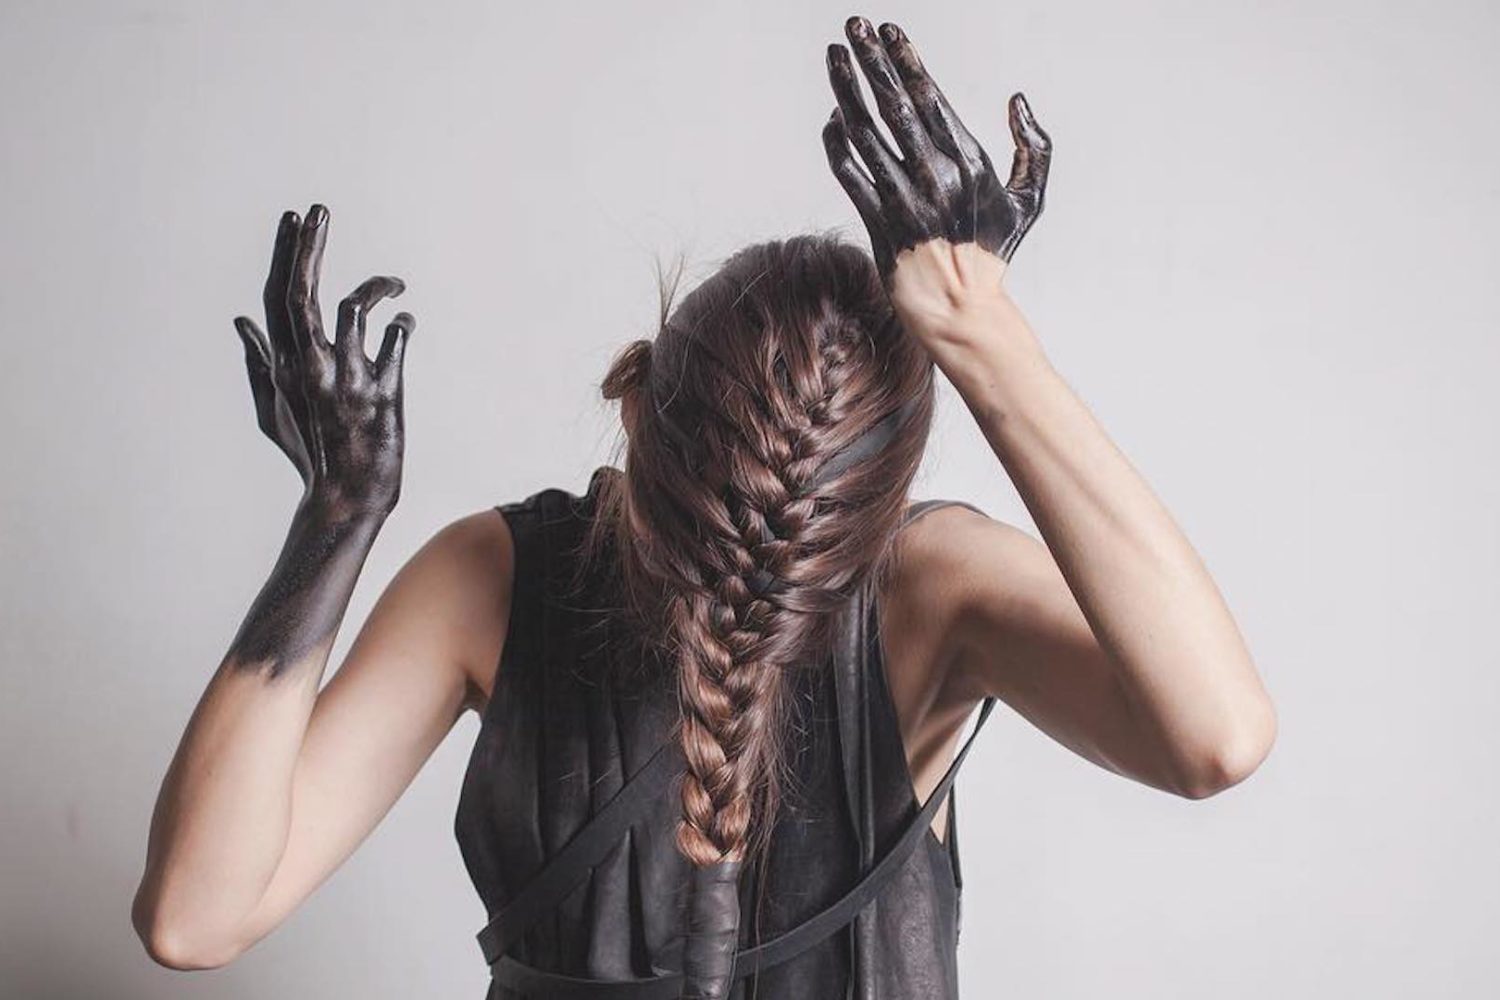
{"x":518,"y":976}
{"x":568,"y":868}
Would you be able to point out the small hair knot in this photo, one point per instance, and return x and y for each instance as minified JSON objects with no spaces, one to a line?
{"x":629,"y":370}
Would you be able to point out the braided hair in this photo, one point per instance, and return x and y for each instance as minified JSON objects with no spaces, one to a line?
{"x":775,"y":424}
{"x":739,"y":533}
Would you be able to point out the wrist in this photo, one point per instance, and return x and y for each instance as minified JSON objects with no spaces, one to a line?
{"x":325,"y":509}
{"x":987,"y":347}
{"x":952,"y":295}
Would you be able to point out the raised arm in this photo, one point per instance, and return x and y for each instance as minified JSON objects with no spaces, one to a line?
{"x":274,"y":784}
{"x":1112,"y":636}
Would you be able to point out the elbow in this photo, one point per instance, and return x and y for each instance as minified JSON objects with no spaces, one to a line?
{"x":1232,"y":758}
{"x":172,"y":951}
{"x":174,"y":944}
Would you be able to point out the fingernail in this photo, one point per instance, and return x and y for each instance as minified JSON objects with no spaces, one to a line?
{"x":317,"y":215}
{"x":890,"y":33}
{"x":859,"y":27}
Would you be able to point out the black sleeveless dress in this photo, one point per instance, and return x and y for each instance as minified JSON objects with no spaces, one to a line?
{"x":564,"y":729}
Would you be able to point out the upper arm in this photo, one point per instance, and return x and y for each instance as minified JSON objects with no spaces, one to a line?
{"x":428,"y":647}
{"x":1015,"y":631}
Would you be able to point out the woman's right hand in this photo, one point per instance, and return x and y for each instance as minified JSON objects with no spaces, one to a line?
{"x":279,"y":776}
{"x":939,"y":182}
{"x":336,"y":414}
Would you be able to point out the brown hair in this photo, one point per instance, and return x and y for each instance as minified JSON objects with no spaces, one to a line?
{"x":734,"y":553}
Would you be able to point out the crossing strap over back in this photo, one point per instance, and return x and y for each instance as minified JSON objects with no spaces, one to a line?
{"x":516,"y":975}
{"x":642,"y":792}
{"x":568,"y":868}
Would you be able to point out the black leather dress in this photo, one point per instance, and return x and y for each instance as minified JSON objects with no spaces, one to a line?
{"x":568,"y":724}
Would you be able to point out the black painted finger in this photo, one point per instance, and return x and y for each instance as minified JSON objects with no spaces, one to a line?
{"x":947,"y":130}
{"x":896,"y":107}
{"x":879,"y":158}
{"x":1033,"y":156}
{"x":856,"y":184}
{"x":393,"y":351}
{"x":274,"y":298}
{"x":349,"y":336}
{"x":302,"y":295}
{"x":255,"y":341}
{"x":258,"y":367}
{"x":920,"y":88}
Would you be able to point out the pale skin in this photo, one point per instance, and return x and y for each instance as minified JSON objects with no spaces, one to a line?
{"x":1111,"y":637}
{"x":1107,"y":633}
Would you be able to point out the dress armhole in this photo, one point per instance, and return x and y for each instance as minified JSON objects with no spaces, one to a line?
{"x":520,"y":521}
{"x":540,"y":525}
{"x":949,"y":841}
{"x":918,"y":508}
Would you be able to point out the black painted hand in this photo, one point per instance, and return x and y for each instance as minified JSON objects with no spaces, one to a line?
{"x":940,"y":183}
{"x":336,"y":414}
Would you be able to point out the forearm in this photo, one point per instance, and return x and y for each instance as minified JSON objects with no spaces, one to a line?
{"x":224,"y":810}
{"x":1143,"y":588}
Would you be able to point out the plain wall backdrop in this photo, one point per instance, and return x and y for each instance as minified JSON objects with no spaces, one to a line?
{"x":1267,"y":264}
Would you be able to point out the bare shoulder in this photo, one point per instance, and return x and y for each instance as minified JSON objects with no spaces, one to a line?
{"x":942,"y":560}
{"x":461,"y":580}
{"x":944,"y":573}
{"x":947,"y":556}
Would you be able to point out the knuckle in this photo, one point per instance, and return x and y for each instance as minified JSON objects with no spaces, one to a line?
{"x":320,"y":368}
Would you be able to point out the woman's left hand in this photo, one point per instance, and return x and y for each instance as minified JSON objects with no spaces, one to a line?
{"x":940,"y":185}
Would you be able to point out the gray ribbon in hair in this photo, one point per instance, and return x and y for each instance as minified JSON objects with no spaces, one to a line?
{"x":870,"y":442}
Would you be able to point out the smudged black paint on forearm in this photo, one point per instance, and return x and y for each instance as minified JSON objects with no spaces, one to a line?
{"x":938,"y":182}
{"x":337,"y":416}
{"x":300,"y":607}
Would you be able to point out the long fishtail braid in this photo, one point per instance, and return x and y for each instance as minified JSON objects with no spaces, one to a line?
{"x":735,"y":642}
{"x":740,"y":534}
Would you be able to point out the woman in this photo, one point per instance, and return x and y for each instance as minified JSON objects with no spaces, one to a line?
{"x":721,"y":689}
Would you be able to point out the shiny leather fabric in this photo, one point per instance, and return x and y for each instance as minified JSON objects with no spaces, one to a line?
{"x":575,"y":712}
{"x":712,"y":935}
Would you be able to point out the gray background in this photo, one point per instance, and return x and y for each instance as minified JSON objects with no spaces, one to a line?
{"x":1267,"y":265}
